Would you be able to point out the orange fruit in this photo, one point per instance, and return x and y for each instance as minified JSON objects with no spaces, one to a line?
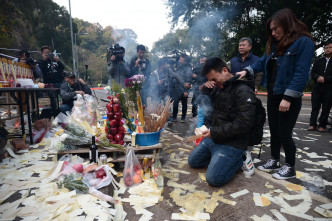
{"x":137,"y":178}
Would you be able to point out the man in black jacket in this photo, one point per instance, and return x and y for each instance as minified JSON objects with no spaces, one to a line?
{"x":224,"y":144}
{"x":321,"y":95}
{"x":180,"y":85}
{"x":52,"y":70}
{"x":139,"y":64}
{"x":70,"y":89}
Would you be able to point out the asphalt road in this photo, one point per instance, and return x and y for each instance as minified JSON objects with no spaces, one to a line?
{"x":314,"y":148}
{"x":308,"y":143}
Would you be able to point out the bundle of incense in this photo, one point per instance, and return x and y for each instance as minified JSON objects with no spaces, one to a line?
{"x":192,"y":138}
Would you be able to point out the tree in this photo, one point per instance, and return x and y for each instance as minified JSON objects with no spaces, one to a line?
{"x":223,"y":22}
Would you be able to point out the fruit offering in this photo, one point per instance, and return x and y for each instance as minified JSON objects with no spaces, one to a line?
{"x":114,"y":129}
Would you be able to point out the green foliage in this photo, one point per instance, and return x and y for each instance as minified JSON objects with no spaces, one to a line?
{"x":214,"y":27}
{"x":34,"y":23}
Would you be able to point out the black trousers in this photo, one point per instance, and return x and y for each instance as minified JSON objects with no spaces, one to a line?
{"x":281,"y":127}
{"x":194,"y":102}
{"x":320,"y":98}
{"x":184,"y":101}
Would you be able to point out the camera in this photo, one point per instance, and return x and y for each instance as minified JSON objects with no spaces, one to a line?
{"x":117,"y":51}
{"x":173,"y":58}
{"x":31,"y":62}
{"x":141,"y":62}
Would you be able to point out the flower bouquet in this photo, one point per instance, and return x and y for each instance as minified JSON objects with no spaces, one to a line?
{"x":133,"y":84}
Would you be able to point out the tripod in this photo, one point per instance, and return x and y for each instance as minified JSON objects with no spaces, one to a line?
{"x":87,"y":79}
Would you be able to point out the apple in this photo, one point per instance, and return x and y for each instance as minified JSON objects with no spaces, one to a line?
{"x":128,"y":181}
{"x":121,"y":142}
{"x":113,"y":142}
{"x":118,"y":116}
{"x":110,"y":115}
{"x":121,"y":122}
{"x":121,"y":130}
{"x":114,"y":130}
{"x":116,"y":107}
{"x":110,"y":137}
{"x":78,"y":167}
{"x":100,"y":173}
{"x":109,"y":107}
{"x":114,"y":123}
{"x":118,"y":137}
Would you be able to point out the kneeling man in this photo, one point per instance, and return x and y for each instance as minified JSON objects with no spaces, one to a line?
{"x":223,"y":149}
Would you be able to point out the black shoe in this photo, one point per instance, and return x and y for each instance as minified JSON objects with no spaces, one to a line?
{"x":286,"y":172}
{"x":182,"y":119}
{"x":271,"y":165}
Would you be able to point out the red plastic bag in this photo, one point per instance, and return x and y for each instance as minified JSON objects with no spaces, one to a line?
{"x":132,"y":170}
{"x":198,"y":141}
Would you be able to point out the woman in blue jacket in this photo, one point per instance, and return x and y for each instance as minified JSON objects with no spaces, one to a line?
{"x":286,"y":66}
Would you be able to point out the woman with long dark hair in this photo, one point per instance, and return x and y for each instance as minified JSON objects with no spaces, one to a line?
{"x":286,"y":66}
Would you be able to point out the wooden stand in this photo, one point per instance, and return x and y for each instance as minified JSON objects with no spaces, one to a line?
{"x":118,"y":155}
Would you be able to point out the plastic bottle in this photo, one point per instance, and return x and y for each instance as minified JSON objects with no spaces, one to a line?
{"x":158,"y":173}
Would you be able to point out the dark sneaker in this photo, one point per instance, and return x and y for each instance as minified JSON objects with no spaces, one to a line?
{"x":286,"y":172}
{"x":174,"y":120}
{"x":182,"y":119}
{"x":271,"y":165}
{"x":311,"y":128}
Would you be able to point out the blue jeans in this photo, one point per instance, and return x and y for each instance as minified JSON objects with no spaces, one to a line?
{"x":223,"y":161}
{"x":65,"y":107}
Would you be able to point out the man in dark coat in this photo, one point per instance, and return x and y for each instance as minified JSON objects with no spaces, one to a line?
{"x":245,"y":58}
{"x":70,"y":89}
{"x":180,"y":85}
{"x":52,"y":69}
{"x":224,"y":144}
{"x":139,"y":64}
{"x":321,"y":74}
{"x":117,"y":67}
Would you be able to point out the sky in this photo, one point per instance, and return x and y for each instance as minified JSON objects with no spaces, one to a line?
{"x":147,"y":18}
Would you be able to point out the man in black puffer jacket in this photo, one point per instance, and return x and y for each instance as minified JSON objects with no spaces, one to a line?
{"x":224,"y":144}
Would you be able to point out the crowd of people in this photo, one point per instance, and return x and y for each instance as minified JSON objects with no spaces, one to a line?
{"x":224,"y":95}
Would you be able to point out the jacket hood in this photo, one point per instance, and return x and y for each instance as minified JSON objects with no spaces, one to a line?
{"x":237,"y":80}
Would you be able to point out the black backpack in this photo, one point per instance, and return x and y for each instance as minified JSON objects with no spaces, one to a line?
{"x":256,"y":133}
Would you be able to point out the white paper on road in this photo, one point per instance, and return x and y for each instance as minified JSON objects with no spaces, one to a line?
{"x":277,"y":214}
{"x":301,"y":215}
{"x":327,"y":206}
{"x":239,"y":193}
{"x":196,"y":216}
{"x":11,"y":153}
{"x":323,"y":212}
{"x":314,"y":169}
{"x":263,"y":218}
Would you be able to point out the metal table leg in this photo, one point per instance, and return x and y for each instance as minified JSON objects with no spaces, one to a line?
{"x":20,"y":104}
{"x":29,"y":117}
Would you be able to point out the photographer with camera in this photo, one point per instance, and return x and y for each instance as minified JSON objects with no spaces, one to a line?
{"x":141,"y":65}
{"x":52,"y":70}
{"x":159,"y":88}
{"x":117,"y":67}
{"x":25,"y":57}
{"x":180,"y":86}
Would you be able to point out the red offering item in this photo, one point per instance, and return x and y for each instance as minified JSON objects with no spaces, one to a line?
{"x":132,"y":170}
{"x":198,"y":141}
{"x":100,"y":173}
{"x":116,"y":107}
{"x":109,"y":107}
